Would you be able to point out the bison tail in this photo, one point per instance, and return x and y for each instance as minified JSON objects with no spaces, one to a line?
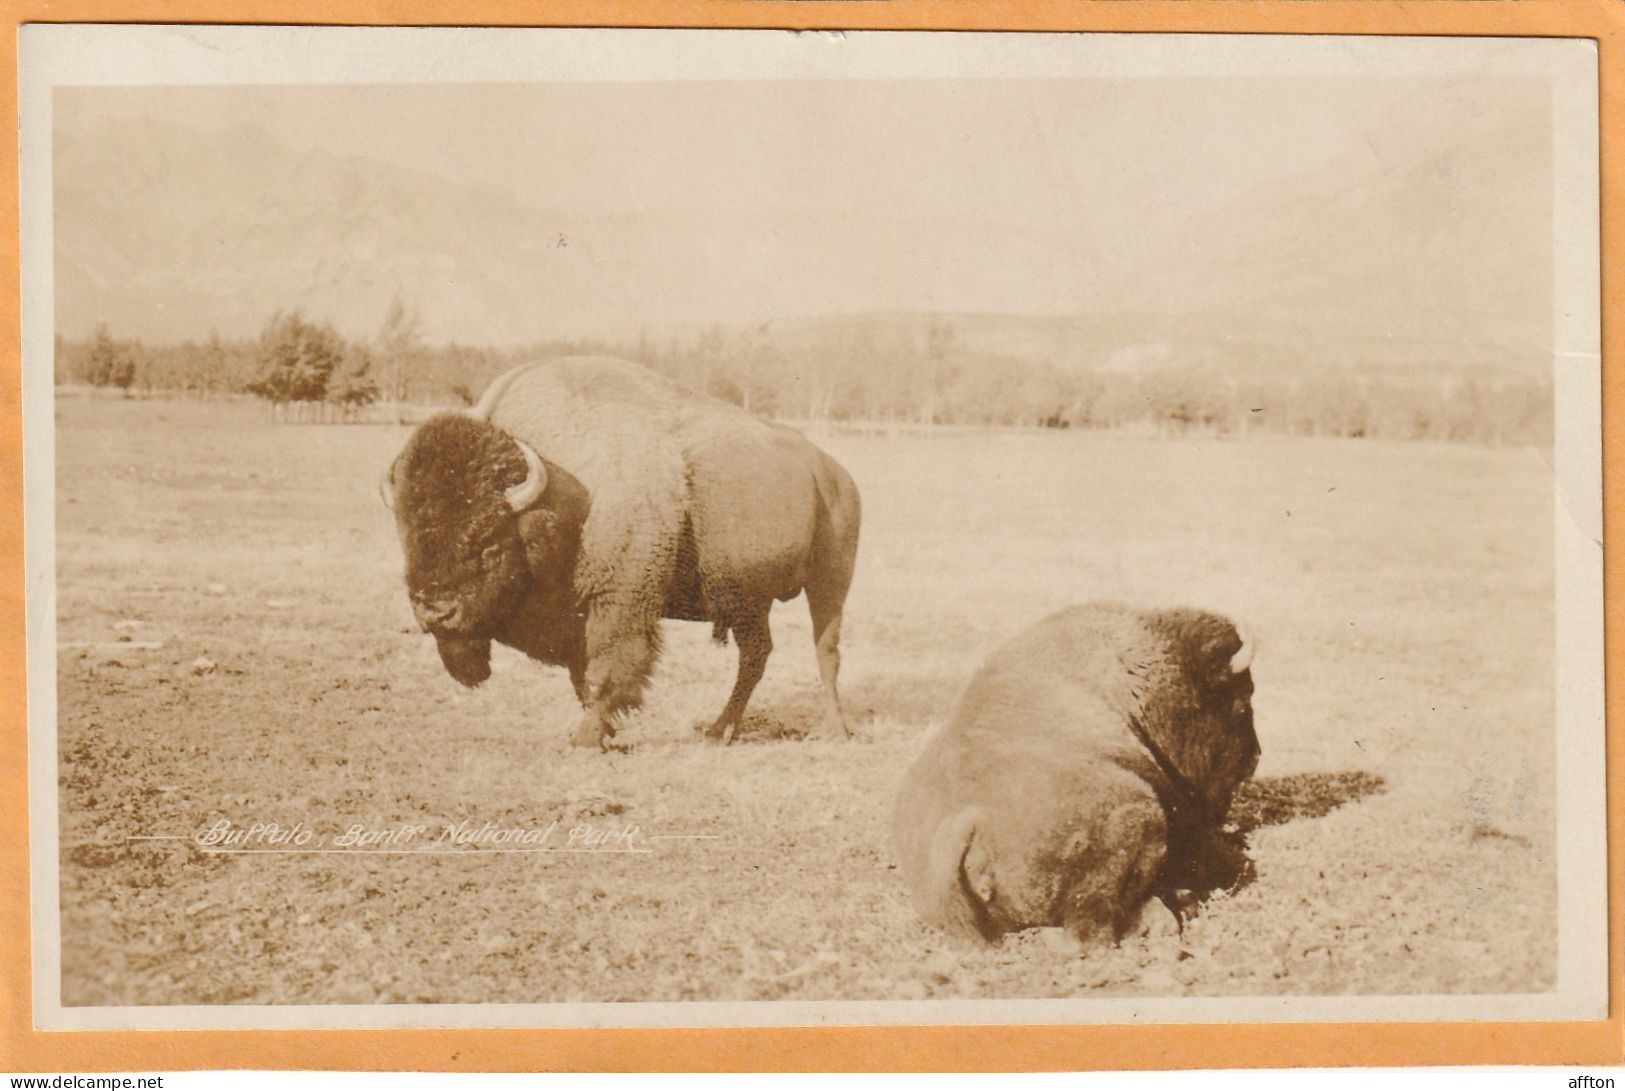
{"x":960,"y":880}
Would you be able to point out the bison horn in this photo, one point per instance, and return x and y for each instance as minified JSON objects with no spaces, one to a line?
{"x":1244,"y":654}
{"x":524,"y":494}
{"x":386,"y":488}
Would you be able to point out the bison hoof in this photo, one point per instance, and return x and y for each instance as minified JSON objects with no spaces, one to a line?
{"x":721,"y":734}
{"x":590,"y":732}
{"x":834,"y":730}
{"x":1059,"y":941}
{"x":1156,"y":921}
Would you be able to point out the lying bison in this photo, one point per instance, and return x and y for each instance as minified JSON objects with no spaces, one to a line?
{"x":1087,"y":762}
{"x":584,"y":499}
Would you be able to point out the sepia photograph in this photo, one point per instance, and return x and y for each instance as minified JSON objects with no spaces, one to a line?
{"x":730,"y":528}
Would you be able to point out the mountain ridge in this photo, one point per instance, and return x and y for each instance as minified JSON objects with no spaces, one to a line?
{"x":1352,"y":263}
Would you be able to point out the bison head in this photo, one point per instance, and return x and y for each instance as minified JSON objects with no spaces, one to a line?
{"x":456,"y":491}
{"x":1202,"y":721}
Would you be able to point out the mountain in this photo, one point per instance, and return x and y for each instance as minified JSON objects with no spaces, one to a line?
{"x":1424,"y":243}
{"x":165,"y":232}
{"x":1428,"y":240}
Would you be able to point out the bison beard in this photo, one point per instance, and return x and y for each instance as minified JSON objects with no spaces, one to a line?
{"x":1086,"y":769}
{"x":467,"y":659}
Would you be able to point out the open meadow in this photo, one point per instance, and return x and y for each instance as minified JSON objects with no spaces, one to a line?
{"x":236,"y":645}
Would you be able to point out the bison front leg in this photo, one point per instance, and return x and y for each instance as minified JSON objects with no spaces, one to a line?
{"x":622,"y":646}
{"x":1114,"y":867}
{"x":755,"y":640}
{"x":578,"y":680}
{"x":593,"y":727}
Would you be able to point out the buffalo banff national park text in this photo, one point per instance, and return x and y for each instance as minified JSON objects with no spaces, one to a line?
{"x":461,"y":836}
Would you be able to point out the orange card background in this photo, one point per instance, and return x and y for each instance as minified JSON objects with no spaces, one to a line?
{"x":889,"y":1048}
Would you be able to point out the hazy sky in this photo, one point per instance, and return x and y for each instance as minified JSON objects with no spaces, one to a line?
{"x":1175,"y":145}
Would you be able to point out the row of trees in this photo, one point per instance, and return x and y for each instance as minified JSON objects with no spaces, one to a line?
{"x":936,"y":380}
{"x":306,"y":370}
{"x":294,"y":361}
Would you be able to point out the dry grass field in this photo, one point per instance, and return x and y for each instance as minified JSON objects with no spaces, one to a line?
{"x":1401,"y":822}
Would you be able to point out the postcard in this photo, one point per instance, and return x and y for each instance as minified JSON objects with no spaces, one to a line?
{"x":701,"y":528}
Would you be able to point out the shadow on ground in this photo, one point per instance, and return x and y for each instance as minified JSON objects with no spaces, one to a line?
{"x":772,"y":724}
{"x":1219,"y":860}
{"x":1274,"y":801}
{"x":920,"y":700}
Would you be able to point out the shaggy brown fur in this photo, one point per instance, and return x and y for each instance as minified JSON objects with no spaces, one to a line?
{"x":1086,"y":764}
{"x":658,"y":503}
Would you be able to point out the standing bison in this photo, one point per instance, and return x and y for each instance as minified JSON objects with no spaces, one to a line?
{"x":1087,"y":766}
{"x":584,"y":499}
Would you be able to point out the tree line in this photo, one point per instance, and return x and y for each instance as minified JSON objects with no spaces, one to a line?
{"x":304,"y":369}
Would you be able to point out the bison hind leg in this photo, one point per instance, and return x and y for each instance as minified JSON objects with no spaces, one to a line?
{"x":754,"y":637}
{"x":956,"y":885}
{"x":825,"y":599}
